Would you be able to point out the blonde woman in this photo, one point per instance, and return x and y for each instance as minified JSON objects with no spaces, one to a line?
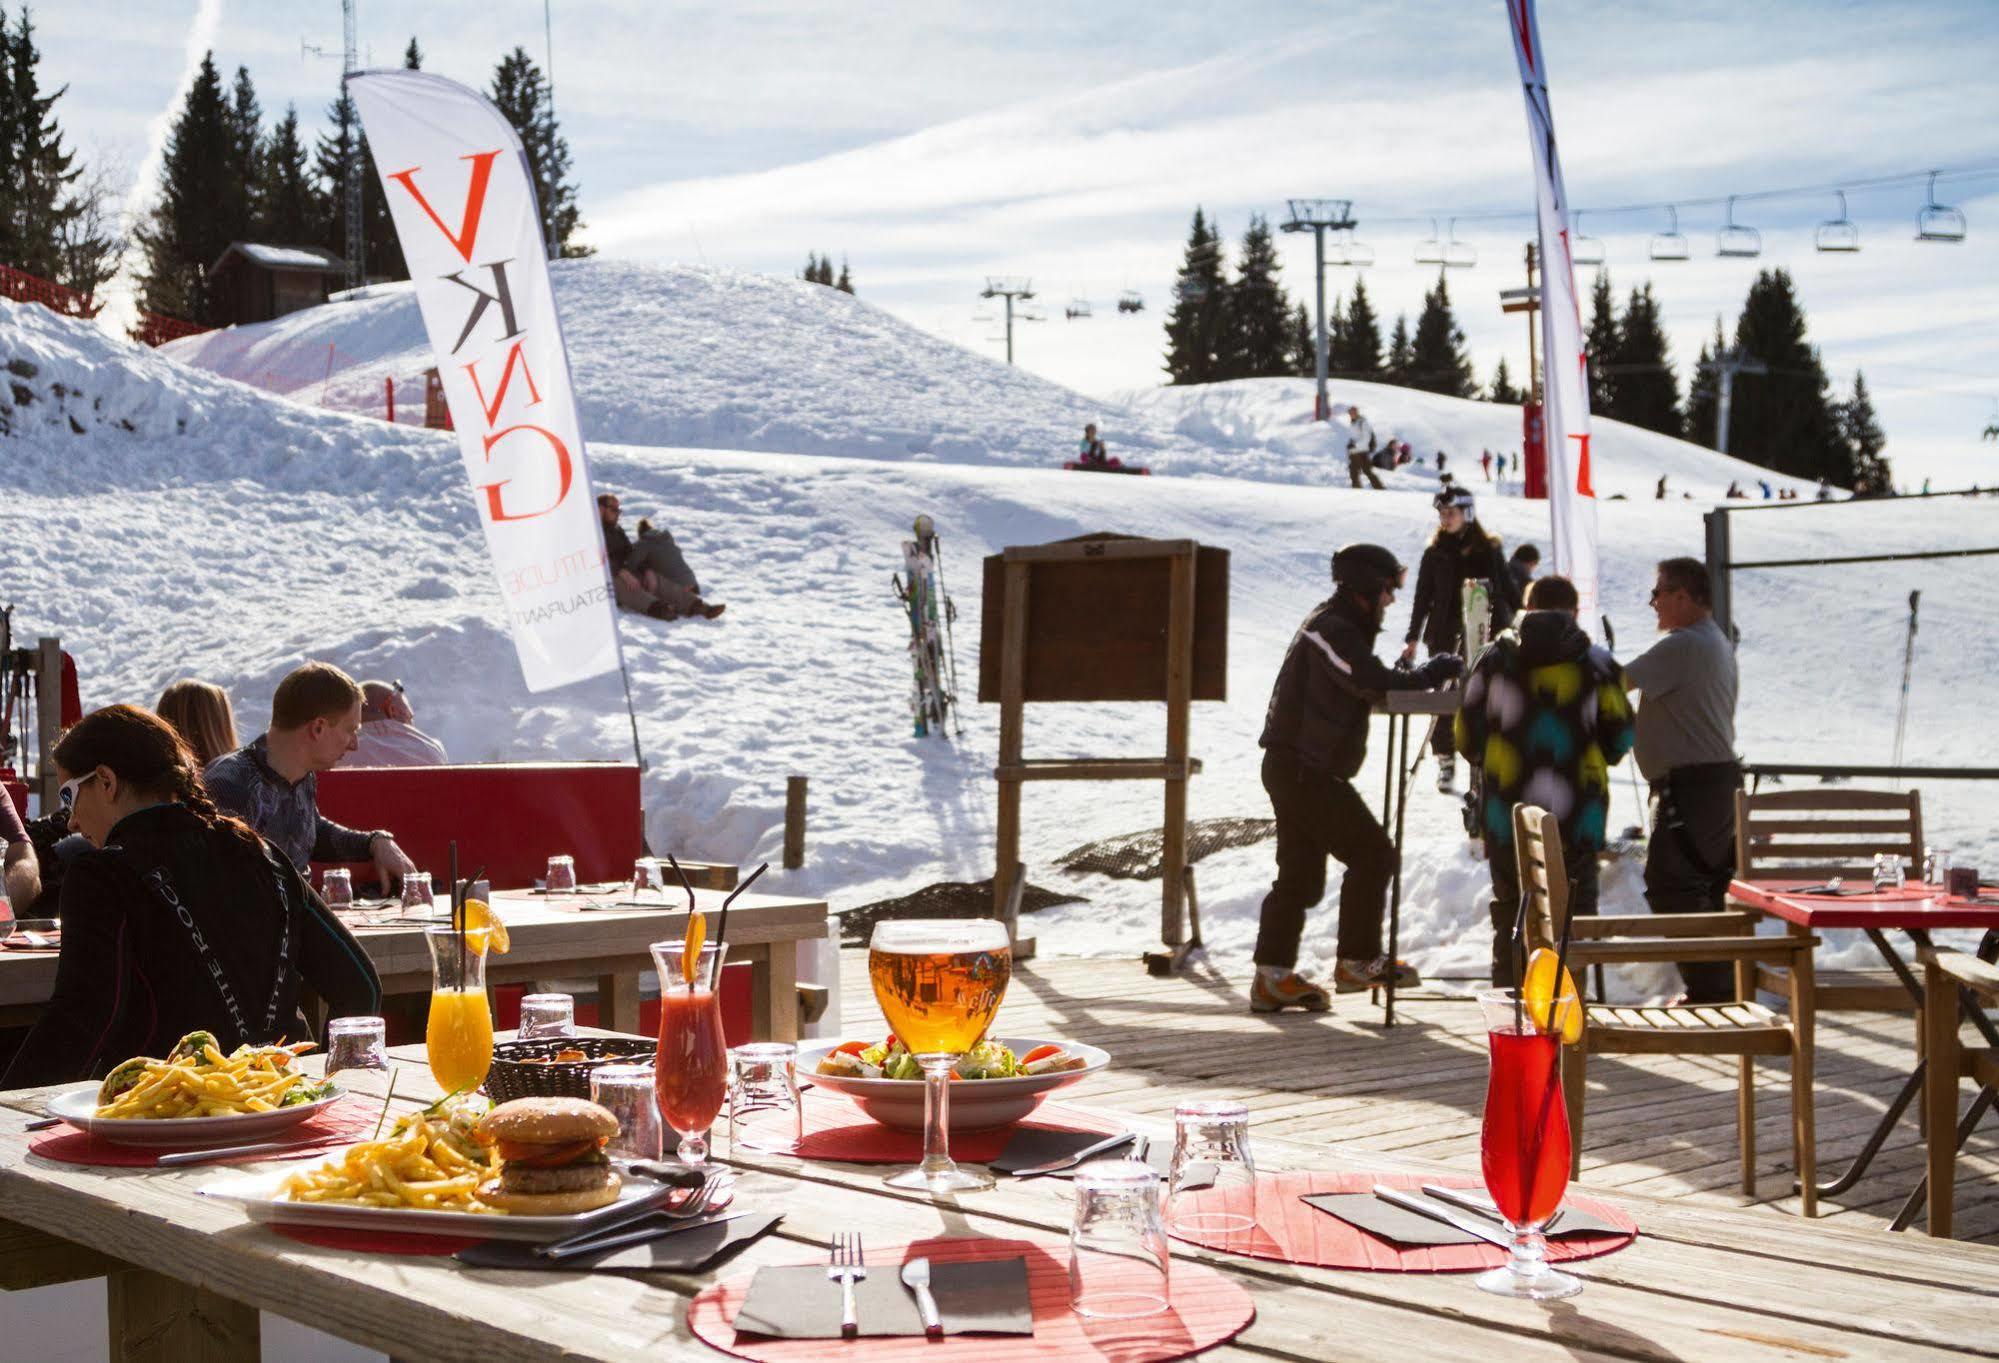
{"x":199,"y":712}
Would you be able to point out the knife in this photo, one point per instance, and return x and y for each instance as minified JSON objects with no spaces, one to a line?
{"x":233,"y":1152}
{"x":1070,"y":1161}
{"x":637,"y":1235}
{"x":1463,"y":1221}
{"x":1479,"y":1204}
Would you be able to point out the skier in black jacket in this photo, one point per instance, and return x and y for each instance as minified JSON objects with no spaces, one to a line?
{"x":1314,"y":738}
{"x":1458,"y":553}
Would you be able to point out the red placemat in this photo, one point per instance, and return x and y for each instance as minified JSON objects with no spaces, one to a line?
{"x":377,"y":1242}
{"x":837,"y":1129}
{"x":1297,"y":1233}
{"x":349,"y":1120}
{"x":1207,"y":1310}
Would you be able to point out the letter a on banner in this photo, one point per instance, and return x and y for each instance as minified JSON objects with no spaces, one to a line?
{"x":458,"y":187}
{"x":1565,"y":418}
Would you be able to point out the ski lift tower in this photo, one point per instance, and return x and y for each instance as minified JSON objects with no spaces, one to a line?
{"x":350,"y":63}
{"x":1319,"y":216}
{"x":1008,"y":287}
{"x":1726,"y":365}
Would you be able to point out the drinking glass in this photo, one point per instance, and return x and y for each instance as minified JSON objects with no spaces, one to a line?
{"x":547,"y":1015}
{"x":561,"y":874}
{"x":1119,"y":1264}
{"x":646,"y":875}
{"x":764,"y":1111}
{"x":417,"y":893}
{"x":1210,"y":1132}
{"x":1936,"y":869}
{"x":336,"y":887}
{"x":628,"y":1093}
{"x":356,"y":1043}
{"x":459,"y":1037}
{"x":1887,"y":871}
{"x":939,"y":982}
{"x":1524,"y":1143}
{"x":691,"y":1070}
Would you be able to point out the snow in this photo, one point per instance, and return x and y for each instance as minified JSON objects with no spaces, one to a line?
{"x":289,"y":257}
{"x":789,"y":435}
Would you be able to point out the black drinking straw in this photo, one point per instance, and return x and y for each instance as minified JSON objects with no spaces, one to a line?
{"x":458,"y":914}
{"x":722,"y":925}
{"x":691,"y":908}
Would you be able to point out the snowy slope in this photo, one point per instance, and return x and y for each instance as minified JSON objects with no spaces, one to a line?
{"x":231,"y":534}
{"x":688,"y":356}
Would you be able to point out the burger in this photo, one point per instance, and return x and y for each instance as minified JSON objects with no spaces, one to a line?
{"x":552,"y":1160}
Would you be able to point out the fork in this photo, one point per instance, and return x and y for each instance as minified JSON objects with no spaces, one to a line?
{"x":844,"y":1265}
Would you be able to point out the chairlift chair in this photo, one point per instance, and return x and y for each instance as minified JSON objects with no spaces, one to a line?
{"x":1431,"y":250}
{"x":1359,"y":255}
{"x":1078,"y":309}
{"x":1840,"y":233}
{"x":1131,"y":300}
{"x":1458,"y":255}
{"x":1669,"y":244}
{"x":1584,"y":249}
{"x":1938,"y":222}
{"x":1736,"y":240}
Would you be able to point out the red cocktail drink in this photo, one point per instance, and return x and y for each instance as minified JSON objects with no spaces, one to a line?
{"x":1524,"y":1145}
{"x":691,"y":1066}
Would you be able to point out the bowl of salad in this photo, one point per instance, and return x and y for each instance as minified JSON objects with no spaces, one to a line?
{"x":997,"y":1083}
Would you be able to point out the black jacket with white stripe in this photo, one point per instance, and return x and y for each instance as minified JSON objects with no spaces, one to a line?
{"x":1330,"y":682}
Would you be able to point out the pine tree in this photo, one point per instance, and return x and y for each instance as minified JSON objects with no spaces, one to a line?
{"x":1786,"y":419}
{"x":329,"y":168}
{"x":48,"y":223}
{"x":845,"y":283}
{"x":1259,"y":311}
{"x":412,"y":56}
{"x":1197,"y":327}
{"x":1401,"y":356}
{"x":1304,"y":345}
{"x":288,"y":208}
{"x":184,"y":233}
{"x":1704,"y":392}
{"x":1438,"y":362}
{"x":10,"y":139}
{"x":1502,"y":389}
{"x":1644,"y":392}
{"x":521,"y":93}
{"x":246,"y":131}
{"x":1865,"y":439}
{"x":1360,"y":357}
{"x":1600,"y":345}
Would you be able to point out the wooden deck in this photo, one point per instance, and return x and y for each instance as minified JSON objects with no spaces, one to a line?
{"x":1664,"y":1125}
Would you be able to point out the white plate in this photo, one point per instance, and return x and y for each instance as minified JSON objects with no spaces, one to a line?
{"x":976,"y":1104}
{"x":257,"y":1194}
{"x":78,"y":1108}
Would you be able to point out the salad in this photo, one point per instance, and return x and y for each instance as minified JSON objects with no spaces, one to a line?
{"x":890,"y":1059}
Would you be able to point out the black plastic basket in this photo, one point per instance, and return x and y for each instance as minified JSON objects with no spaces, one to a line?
{"x":513,"y":1076}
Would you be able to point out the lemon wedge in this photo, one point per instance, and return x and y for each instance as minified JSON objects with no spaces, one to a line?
{"x":1538,"y":993}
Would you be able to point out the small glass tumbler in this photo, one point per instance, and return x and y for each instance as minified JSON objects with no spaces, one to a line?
{"x":1211,"y":1134}
{"x":1936,"y":869}
{"x":336,"y":887}
{"x":356,"y":1043}
{"x":764,"y":1110}
{"x":545,"y":1015}
{"x":561,"y":874}
{"x":417,"y":893}
{"x":627,"y":1093}
{"x":1119,"y":1264}
{"x":646,"y":875}
{"x":1888,"y":873}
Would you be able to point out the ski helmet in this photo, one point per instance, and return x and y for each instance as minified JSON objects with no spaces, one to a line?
{"x":1459,"y":497}
{"x":1367,"y":568}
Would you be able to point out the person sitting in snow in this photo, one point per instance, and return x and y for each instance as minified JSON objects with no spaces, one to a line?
{"x":1090,"y":451}
{"x":1545,"y":717}
{"x":1360,"y":449}
{"x":389,"y":736}
{"x":650,"y":577}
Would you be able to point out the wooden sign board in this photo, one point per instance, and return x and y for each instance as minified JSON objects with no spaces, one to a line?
{"x":1097,"y":617}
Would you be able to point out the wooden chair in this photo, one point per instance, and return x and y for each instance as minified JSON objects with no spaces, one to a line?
{"x":1817,"y":834}
{"x":1744,"y":1028}
{"x":1945,"y":973}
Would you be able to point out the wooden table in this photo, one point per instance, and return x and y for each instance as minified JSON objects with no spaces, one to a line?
{"x":188,"y":1276}
{"x":554,"y":937}
{"x":1915,"y":911}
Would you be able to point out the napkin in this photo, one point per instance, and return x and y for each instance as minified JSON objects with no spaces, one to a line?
{"x":1386,"y":1221}
{"x":1032,"y":1147}
{"x":987,"y":1297}
{"x":683,"y":1251}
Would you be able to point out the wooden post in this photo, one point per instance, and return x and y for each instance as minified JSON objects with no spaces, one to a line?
{"x":1013,"y":705}
{"x":794,"y":822}
{"x":1179,"y":708}
{"x":1717,"y":570}
{"x":158,"y":1319}
{"x":48,"y":716}
{"x":1023,"y":947}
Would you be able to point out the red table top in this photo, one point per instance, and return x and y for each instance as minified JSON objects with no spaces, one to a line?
{"x":1915,"y":905}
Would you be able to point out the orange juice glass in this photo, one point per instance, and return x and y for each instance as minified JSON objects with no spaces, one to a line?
{"x":459,"y":1037}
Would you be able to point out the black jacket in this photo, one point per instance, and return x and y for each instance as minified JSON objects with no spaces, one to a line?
{"x":1328,"y":686}
{"x":617,"y":544}
{"x":1449,"y":561}
{"x":132,"y":979}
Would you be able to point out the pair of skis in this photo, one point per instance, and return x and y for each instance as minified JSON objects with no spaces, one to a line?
{"x":933,"y":649}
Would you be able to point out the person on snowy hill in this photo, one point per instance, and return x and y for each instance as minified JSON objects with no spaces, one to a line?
{"x":1314,"y":739}
{"x":1485,"y":464}
{"x":1090,"y":451}
{"x":1544,"y":719}
{"x":389,"y":736}
{"x":650,"y":577}
{"x":1459,"y":552}
{"x":1360,"y":449}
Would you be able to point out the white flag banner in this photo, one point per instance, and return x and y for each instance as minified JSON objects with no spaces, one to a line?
{"x":1565,"y":414}
{"x":458,"y":187}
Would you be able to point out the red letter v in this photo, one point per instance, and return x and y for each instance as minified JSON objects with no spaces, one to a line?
{"x":475,"y":201}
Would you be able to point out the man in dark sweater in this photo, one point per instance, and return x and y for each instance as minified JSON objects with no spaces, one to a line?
{"x":1314,"y":739}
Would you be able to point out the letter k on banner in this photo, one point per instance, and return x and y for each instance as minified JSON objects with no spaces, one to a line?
{"x":457,"y":185}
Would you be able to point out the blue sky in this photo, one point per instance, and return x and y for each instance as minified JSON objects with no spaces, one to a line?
{"x":934,"y":143}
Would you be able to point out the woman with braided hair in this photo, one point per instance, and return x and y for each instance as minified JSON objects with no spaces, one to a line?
{"x":178,"y":919}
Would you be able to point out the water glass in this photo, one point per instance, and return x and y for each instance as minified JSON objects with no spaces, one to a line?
{"x":1211,"y":1134}
{"x":1936,"y":868}
{"x":627,"y":1093}
{"x":1888,"y":873}
{"x":646,"y":875}
{"x":356,"y":1043}
{"x":1119,"y":1265}
{"x":417,"y":893}
{"x":547,"y":1015}
{"x":561,"y":874}
{"x":764,"y":1111}
{"x":336,"y":887}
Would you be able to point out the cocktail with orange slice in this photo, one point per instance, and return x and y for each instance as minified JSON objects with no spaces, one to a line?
{"x":458,"y":1037}
{"x":691,"y":1066}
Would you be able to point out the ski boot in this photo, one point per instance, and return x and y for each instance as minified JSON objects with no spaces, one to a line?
{"x":1447,"y":773}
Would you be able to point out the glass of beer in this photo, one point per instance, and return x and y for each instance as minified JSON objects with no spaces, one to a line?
{"x":939,"y":982}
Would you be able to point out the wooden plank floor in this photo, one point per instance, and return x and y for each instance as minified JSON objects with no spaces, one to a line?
{"x":1663,"y":1125}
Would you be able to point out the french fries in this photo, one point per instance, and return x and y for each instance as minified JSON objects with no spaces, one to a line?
{"x":427,"y":1165}
{"x":199,"y":1081}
